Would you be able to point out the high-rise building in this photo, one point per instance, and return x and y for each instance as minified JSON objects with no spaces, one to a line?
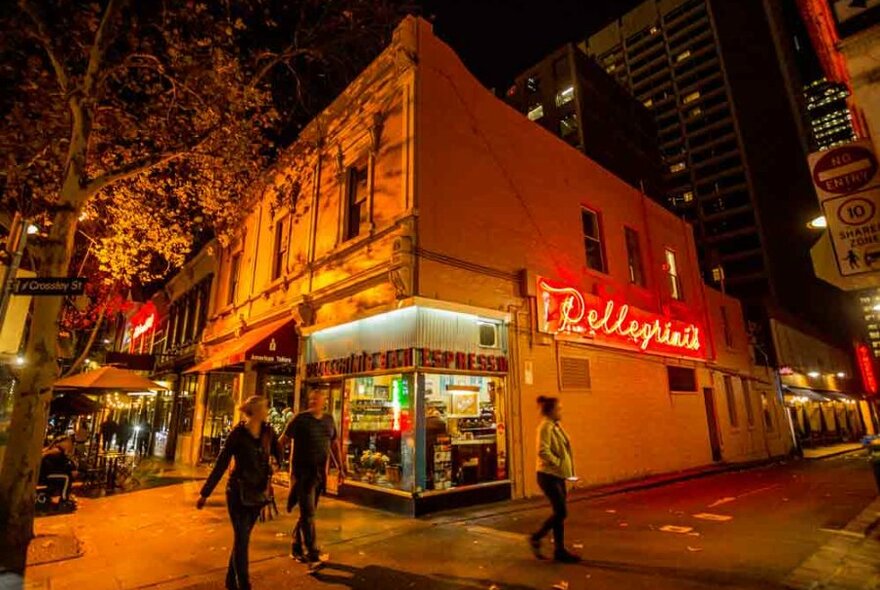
{"x":720,"y":81}
{"x":572,"y":96}
{"x":829,"y":115}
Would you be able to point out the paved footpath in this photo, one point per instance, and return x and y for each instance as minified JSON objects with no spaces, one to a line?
{"x":807,"y":524}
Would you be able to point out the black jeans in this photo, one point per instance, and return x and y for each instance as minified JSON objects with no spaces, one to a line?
{"x":243,"y":519}
{"x":555,"y":490}
{"x":307,"y":489}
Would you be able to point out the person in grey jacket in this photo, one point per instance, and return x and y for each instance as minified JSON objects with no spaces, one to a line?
{"x":555,"y":470}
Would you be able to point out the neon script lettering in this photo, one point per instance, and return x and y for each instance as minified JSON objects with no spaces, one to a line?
{"x":565,"y":310}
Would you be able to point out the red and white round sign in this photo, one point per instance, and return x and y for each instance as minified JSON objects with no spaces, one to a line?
{"x":845,"y":169}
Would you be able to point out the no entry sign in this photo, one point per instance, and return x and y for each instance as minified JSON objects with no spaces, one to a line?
{"x":846,"y":180}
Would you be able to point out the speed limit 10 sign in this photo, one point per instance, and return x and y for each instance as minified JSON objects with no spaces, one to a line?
{"x":846,"y":180}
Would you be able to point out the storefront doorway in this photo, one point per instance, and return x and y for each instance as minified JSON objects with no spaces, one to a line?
{"x":219,"y":414}
{"x":712,"y":420}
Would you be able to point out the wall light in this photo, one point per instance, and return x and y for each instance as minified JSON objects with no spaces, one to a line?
{"x":841,"y":375}
{"x":33,"y":229}
{"x":814,"y":374}
{"x":19,"y":360}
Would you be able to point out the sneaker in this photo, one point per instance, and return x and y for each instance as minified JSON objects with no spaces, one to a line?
{"x":297,"y":553}
{"x":535,"y":546}
{"x":564,"y":556}
{"x":317,"y":561}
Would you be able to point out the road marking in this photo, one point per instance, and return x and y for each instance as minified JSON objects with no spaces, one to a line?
{"x":721,"y":501}
{"x":498,"y":534}
{"x":759,"y":490}
{"x":844,"y":533}
{"x":671,"y":528}
{"x":714,"y":517}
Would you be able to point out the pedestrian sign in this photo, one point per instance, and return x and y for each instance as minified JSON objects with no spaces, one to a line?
{"x":847,"y":182}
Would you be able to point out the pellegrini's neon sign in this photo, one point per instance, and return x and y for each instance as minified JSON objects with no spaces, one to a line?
{"x":566,"y":310}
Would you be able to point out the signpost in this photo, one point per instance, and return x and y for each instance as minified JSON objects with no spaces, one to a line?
{"x":44,"y":286}
{"x":848,"y":184}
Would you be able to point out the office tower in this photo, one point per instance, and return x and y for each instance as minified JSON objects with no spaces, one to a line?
{"x":829,"y":115}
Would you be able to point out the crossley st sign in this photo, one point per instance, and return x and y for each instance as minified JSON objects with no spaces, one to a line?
{"x":46,"y":286}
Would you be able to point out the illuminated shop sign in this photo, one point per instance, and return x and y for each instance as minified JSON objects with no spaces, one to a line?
{"x":143,"y":327}
{"x":866,"y":368}
{"x":566,"y":310}
{"x":408,"y":358}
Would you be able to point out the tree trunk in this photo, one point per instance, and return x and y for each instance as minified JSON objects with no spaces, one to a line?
{"x":21,"y":460}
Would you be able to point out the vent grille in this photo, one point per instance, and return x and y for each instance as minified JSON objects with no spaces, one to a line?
{"x":574,"y":373}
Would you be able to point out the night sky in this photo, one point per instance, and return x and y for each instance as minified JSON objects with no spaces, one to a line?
{"x":499,"y":38}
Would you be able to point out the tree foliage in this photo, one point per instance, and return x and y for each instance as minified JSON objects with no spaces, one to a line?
{"x":186,"y":104}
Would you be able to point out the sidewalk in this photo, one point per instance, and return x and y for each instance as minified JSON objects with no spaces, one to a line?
{"x":832,"y":451}
{"x":850,"y":561}
{"x":156,"y":536}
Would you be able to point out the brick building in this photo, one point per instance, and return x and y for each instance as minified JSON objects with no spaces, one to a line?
{"x":434,"y":262}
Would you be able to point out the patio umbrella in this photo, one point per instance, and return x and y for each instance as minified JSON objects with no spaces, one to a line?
{"x":73,"y":405}
{"x":107,"y":379}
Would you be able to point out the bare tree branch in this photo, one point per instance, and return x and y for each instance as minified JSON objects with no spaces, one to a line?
{"x":99,"y":46}
{"x":43,"y":38}
{"x":276,"y":59}
{"x":132,"y":169}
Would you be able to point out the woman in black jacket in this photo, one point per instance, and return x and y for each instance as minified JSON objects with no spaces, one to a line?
{"x":249,"y":488}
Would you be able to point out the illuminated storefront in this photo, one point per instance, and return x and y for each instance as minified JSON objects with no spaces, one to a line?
{"x":420,"y":397}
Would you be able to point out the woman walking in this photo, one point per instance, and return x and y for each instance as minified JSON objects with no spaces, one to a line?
{"x":555,"y":470}
{"x":249,"y":489}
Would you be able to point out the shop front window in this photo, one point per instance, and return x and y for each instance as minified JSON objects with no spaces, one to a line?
{"x":278,"y":391}
{"x":219,"y":414}
{"x":464,"y":431}
{"x":377,"y":431}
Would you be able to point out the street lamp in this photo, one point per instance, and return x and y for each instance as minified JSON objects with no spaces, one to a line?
{"x":841,"y":375}
{"x":19,"y":360}
{"x":818,"y":222}
{"x":814,"y":374}
{"x":33,"y":229}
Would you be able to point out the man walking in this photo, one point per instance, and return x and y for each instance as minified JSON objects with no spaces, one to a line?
{"x":314,"y":438}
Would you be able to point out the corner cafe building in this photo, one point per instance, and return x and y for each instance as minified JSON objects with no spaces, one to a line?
{"x":436,"y":400}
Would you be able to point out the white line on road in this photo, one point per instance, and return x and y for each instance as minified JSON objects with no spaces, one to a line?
{"x":844,"y":533}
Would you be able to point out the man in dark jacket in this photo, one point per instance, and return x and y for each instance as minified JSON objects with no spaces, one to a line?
{"x":313,"y":434}
{"x":57,"y":469}
{"x":108,"y":431}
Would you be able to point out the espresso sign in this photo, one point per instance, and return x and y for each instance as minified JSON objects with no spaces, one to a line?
{"x":39,"y":286}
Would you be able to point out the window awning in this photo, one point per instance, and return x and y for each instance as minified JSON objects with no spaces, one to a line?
{"x":820,"y":395}
{"x":275,"y":343}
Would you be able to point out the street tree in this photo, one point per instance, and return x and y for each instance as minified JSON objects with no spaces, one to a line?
{"x":152,"y":122}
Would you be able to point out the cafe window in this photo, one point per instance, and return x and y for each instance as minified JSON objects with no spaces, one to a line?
{"x":356,"y":192}
{"x":535,"y":112}
{"x":725,"y":327}
{"x":282,"y":241}
{"x":672,"y":278}
{"x":681,"y":379}
{"x":634,"y":257}
{"x":186,"y":403}
{"x":219,"y":413}
{"x":747,"y":398}
{"x":767,"y":409}
{"x":234,"y":272}
{"x":593,"y":239}
{"x":464,"y":445}
{"x":731,"y":401}
{"x":378,"y":431}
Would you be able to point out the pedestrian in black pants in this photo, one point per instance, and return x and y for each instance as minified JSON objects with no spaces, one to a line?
{"x":249,"y":488}
{"x":555,"y":470}
{"x":313,"y":434}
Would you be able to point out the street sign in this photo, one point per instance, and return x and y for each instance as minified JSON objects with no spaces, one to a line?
{"x":847,"y":180}
{"x":41,"y":286}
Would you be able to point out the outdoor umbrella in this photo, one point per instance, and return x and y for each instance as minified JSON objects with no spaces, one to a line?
{"x":107,"y":379}
{"x":73,"y":405}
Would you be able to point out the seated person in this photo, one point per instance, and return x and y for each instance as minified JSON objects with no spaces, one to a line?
{"x":57,"y":469}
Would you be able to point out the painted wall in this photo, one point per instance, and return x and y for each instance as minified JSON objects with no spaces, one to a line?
{"x":497,"y":194}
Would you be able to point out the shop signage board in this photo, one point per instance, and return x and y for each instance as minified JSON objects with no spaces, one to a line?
{"x":848,"y":185}
{"x":45,"y":286}
{"x":407,"y":358}
{"x":567,"y":311}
